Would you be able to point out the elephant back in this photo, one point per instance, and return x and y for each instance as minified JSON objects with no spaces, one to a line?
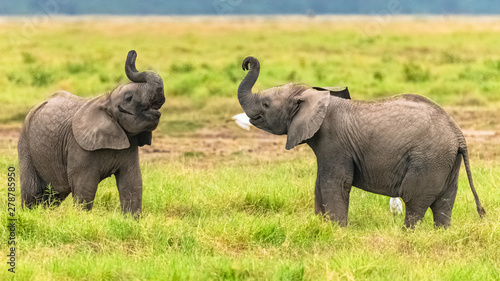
{"x":57,"y":108}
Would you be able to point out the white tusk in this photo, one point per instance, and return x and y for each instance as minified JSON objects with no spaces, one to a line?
{"x":396,"y":206}
{"x":243,"y":121}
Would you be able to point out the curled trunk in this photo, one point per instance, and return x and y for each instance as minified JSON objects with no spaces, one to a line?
{"x":131,"y":71}
{"x":249,"y":101}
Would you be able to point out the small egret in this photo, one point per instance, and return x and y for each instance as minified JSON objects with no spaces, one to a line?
{"x":396,"y":206}
{"x":243,"y":121}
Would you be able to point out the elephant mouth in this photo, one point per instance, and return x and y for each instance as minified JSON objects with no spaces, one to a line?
{"x":257,"y":119}
{"x":152,"y":119}
{"x":124,"y":111}
{"x":152,"y":114}
{"x":153,"y":111}
{"x":157,"y":105}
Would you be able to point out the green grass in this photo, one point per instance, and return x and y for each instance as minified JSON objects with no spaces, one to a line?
{"x":453,"y":63}
{"x":249,"y":214}
{"x":253,"y":222}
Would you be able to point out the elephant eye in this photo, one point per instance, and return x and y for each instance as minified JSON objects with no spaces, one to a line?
{"x":265,"y":105}
{"x":128,"y":99}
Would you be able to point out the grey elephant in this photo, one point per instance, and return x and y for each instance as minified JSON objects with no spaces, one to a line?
{"x":71,"y":143}
{"x":403,"y":146}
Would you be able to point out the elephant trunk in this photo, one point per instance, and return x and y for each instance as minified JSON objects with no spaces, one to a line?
{"x":157,"y":98}
{"x":131,"y":71}
{"x":249,"y":101}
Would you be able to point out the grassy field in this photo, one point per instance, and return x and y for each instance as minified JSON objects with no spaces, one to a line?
{"x":221,"y":203}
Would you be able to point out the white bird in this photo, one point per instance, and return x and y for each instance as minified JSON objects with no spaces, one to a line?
{"x":243,"y":121}
{"x":396,"y":206}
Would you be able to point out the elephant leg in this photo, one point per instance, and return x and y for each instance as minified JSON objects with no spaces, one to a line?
{"x":318,"y":201}
{"x":32,"y":185}
{"x":415,"y":193}
{"x":414,"y":213}
{"x":336,"y":203}
{"x":84,"y":187}
{"x":53,"y":198}
{"x":334,"y":187}
{"x":443,"y":206}
{"x":129,"y":183}
{"x":32,"y":189}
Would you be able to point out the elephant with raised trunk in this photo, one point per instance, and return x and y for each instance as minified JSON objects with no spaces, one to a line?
{"x":403,"y":146}
{"x":72,"y":143}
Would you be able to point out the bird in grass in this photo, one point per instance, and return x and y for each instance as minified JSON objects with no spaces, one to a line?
{"x":243,"y":121}
{"x":396,"y":206}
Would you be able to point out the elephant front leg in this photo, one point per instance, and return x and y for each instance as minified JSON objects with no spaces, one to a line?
{"x":333,"y":188}
{"x":129,"y":182}
{"x":335,"y":202}
{"x":318,"y":202}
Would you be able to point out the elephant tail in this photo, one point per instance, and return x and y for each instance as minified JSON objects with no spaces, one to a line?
{"x":465,"y":155}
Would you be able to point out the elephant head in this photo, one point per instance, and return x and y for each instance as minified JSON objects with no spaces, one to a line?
{"x":293,"y":109}
{"x":130,"y":110}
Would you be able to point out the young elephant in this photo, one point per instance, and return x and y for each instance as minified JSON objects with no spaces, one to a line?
{"x":404,"y":146}
{"x":73,"y":143}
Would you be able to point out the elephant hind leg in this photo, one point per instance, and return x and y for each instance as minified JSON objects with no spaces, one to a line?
{"x":84,"y":187}
{"x":441,"y":210}
{"x":416,"y":203}
{"x":32,"y":191}
{"x":32,"y":185}
{"x":415,"y":211}
{"x":442,"y":207}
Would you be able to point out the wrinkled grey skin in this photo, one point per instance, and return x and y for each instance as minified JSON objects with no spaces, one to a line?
{"x":73,"y":143}
{"x":404,"y":146}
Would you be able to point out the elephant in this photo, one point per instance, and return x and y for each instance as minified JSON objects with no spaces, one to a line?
{"x":68,"y":144}
{"x":403,"y":146}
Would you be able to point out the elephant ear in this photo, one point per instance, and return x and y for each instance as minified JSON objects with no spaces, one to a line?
{"x":144,"y":138}
{"x":341,"y":92}
{"x":312,"y":107}
{"x":94,"y":128}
